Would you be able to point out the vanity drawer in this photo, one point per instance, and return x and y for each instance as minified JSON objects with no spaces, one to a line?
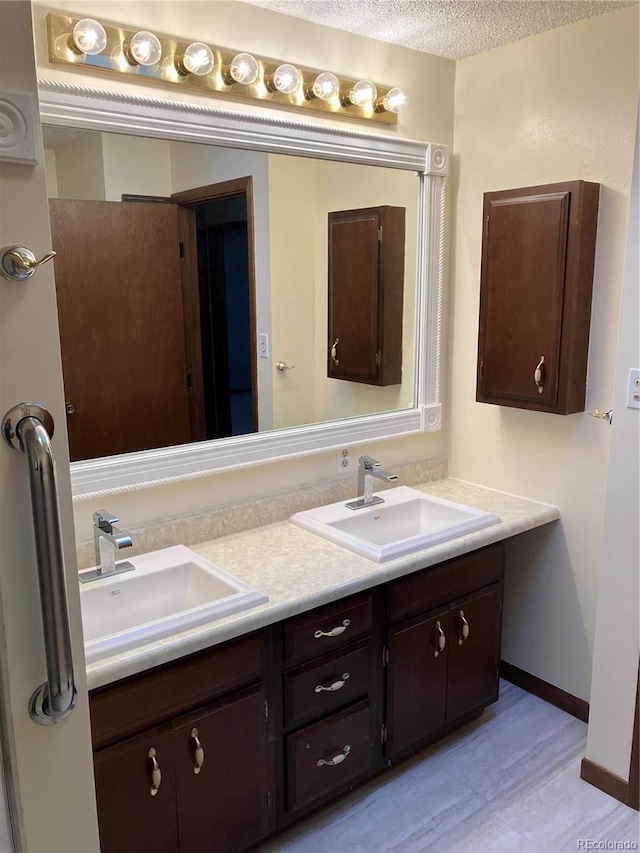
{"x":318,"y":689}
{"x":129,"y":706}
{"x":346,"y":739}
{"x":327,"y":628}
{"x":440,"y":584}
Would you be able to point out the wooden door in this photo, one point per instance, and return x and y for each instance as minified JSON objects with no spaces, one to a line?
{"x":474,"y":658}
{"x":48,"y":770}
{"x":228,"y":805}
{"x":131,"y":818}
{"x":416,"y":680}
{"x":121,"y":320}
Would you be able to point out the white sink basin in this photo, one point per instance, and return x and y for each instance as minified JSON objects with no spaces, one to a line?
{"x":407,"y":521}
{"x":170,"y":590}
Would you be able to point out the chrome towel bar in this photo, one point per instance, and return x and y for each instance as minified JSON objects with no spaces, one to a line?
{"x":27,"y":428}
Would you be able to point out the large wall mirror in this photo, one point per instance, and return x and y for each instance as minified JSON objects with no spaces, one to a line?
{"x":192,"y":285}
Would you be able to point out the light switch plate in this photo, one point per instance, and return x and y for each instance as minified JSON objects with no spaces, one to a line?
{"x":633,"y":395}
{"x":18,"y":123}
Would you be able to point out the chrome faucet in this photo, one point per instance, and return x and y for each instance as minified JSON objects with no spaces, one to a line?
{"x":107,"y":539}
{"x":369,"y":468}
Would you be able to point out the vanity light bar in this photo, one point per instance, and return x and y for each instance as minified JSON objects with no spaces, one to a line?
{"x":111,"y":49}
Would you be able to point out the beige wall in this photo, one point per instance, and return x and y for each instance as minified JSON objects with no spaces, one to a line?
{"x":299,"y":275}
{"x":80,"y":168}
{"x":293,"y":286}
{"x":135,"y":165}
{"x":554,"y":107}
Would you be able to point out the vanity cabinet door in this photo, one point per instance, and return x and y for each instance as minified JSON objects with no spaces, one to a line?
{"x":416,"y":679}
{"x":136,"y":806}
{"x":223,"y":775}
{"x":474,"y":651}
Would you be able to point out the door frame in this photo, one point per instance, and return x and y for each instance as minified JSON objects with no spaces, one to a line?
{"x":187,"y":200}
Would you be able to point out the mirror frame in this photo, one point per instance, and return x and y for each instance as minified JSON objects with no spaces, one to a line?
{"x":112,"y":111}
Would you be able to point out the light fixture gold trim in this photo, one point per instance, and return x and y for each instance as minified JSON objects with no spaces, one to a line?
{"x":113,"y":60}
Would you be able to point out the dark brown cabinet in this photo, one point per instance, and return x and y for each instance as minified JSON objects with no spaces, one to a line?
{"x":366,"y":285}
{"x":217,"y":751}
{"x":442,"y":665}
{"x":198,"y":782}
{"x":538,"y":254}
{"x":330,"y":701}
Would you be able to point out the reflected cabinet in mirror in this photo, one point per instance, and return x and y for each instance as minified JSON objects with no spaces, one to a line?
{"x":193,"y":284}
{"x":186,"y":273}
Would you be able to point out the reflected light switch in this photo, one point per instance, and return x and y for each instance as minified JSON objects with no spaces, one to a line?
{"x":633,"y":396}
{"x":263,"y":345}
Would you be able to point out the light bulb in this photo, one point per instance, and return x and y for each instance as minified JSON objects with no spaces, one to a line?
{"x":285,"y":79}
{"x":197,"y":59}
{"x":396,"y":99}
{"x":325,"y":87}
{"x":88,"y":37}
{"x":362,"y":94}
{"x":144,"y":48}
{"x":243,"y":68}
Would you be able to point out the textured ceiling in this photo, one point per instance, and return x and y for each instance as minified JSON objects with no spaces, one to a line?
{"x":451,"y":28}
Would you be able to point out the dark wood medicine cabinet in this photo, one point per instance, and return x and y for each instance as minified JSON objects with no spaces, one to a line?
{"x":538,"y":250}
{"x":366,"y":284}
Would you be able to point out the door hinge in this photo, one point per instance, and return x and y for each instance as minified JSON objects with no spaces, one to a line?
{"x":378,"y":358}
{"x":383,"y":733}
{"x":266,"y":711}
{"x":385,"y":655}
{"x":486,"y":227}
{"x":189,"y":383}
{"x":380,"y":234}
{"x":181,"y":248}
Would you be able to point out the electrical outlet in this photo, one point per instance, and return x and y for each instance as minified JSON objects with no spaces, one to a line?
{"x":344,"y":460}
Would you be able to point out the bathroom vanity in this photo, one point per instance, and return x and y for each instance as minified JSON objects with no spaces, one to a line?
{"x":217,"y":738}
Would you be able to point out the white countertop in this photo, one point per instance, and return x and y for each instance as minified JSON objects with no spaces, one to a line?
{"x":299,"y":571}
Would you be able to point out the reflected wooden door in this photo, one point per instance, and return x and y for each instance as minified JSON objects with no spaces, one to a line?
{"x":121,"y":325}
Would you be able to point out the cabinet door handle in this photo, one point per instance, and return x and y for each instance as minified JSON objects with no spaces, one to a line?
{"x":334,"y":351}
{"x":334,"y":632}
{"x":442,"y":640}
{"x":337,"y":759}
{"x":331,"y":688}
{"x":198,"y":752}
{"x":156,"y":775}
{"x":464,"y":632}
{"x":537,"y":375}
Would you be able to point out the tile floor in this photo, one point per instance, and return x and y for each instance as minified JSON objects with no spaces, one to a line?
{"x":508,"y":782}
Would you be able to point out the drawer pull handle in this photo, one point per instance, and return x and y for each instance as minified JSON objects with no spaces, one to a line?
{"x":334,"y":352}
{"x":334,"y":632}
{"x":156,"y":775}
{"x":464,"y":634}
{"x":199,"y":752}
{"x":337,"y":759}
{"x":331,"y":688}
{"x":442,"y":640}
{"x":538,"y":375}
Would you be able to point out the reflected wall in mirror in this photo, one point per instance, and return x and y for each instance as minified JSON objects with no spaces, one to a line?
{"x":163,"y":344}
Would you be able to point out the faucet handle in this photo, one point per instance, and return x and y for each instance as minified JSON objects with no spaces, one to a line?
{"x":105,"y":520}
{"x":368,"y":462}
